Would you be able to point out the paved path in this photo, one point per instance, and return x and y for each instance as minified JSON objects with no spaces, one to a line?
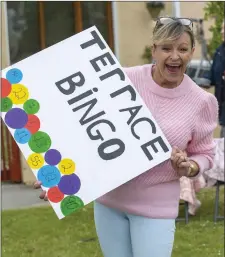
{"x":15,"y":196}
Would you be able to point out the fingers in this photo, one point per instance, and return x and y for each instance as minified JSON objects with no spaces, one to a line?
{"x":184,"y":165}
{"x":183,"y":168}
{"x":180,"y":159}
{"x":175,"y":150}
{"x":37,"y":184}
{"x":46,"y":197}
{"x":178,"y":156}
{"x":43,"y":196}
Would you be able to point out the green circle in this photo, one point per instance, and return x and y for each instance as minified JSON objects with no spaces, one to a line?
{"x":70,"y":204}
{"x":40,"y":142}
{"x":6,"y":104}
{"x":31,"y":106}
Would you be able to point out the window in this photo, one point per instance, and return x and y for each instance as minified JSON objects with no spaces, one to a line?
{"x":95,"y":13}
{"x":33,"y":26}
{"x":22,"y":29}
{"x":59,"y":21}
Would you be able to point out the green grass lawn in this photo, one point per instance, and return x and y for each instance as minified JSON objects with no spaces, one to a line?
{"x":37,"y":232}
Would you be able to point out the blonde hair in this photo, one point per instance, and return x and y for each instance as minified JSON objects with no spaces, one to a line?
{"x":171,"y":32}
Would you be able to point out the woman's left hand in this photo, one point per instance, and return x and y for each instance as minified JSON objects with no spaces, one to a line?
{"x":180,"y":161}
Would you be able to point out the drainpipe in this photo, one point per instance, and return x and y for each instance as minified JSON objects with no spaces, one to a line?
{"x":4,"y":23}
{"x":176,"y":9}
{"x":115,"y":29}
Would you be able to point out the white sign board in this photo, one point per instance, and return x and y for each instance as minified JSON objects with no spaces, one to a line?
{"x":79,"y":122}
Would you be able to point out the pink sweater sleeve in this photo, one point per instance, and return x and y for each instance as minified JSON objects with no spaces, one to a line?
{"x":201,"y":149}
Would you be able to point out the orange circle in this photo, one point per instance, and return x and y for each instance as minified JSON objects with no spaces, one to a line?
{"x":55,"y":195}
{"x":33,"y":123}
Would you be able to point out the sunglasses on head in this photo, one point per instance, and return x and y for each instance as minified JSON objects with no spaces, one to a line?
{"x":166,"y":20}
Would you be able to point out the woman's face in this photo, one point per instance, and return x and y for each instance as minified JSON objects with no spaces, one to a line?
{"x":172,"y":58}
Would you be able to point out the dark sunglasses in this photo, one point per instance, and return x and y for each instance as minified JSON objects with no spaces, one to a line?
{"x":165,"y":20}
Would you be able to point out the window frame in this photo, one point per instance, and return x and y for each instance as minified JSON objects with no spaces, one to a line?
{"x":78,"y":23}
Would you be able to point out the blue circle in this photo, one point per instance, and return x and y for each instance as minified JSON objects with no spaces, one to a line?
{"x":14,"y":76}
{"x":49,"y":176}
{"x":22,"y":135}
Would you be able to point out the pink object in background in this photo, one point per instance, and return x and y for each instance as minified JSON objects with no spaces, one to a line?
{"x":189,"y":188}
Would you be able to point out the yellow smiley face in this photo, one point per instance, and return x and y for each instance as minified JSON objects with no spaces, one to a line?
{"x":67,"y":166}
{"x":19,"y":94}
{"x":35,"y":161}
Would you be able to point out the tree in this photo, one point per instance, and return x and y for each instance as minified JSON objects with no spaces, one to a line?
{"x":215,"y":10}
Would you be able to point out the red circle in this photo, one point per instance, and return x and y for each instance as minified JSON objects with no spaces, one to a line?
{"x":33,"y":123}
{"x":55,"y":195}
{"x":5,"y":87}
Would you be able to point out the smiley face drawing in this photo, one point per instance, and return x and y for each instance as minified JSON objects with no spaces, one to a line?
{"x":67,"y":166}
{"x":70,"y":204}
{"x":19,"y":94}
{"x":40,"y":142}
{"x":49,"y":176}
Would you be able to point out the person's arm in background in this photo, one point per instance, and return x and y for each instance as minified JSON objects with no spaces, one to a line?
{"x":211,"y":74}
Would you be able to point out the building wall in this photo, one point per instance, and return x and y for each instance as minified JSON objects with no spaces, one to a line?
{"x":27,"y":175}
{"x":4,"y":41}
{"x":135,"y":27}
{"x":196,"y":10}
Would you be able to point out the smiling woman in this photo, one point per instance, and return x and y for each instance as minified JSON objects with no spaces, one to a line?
{"x":173,"y":48}
{"x":142,"y":212}
{"x":137,"y":219}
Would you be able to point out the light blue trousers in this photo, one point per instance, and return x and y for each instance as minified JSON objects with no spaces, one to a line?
{"x":125,"y":235}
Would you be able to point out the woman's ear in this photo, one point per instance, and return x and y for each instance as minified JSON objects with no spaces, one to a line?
{"x":192,"y":52}
{"x":153,"y":48}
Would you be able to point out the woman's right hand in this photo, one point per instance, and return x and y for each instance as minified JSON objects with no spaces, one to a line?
{"x":43,"y":194}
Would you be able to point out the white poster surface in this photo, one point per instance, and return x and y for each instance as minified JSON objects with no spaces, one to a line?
{"x":79,"y":121}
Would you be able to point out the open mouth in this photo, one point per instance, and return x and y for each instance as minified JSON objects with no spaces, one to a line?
{"x":173,"y":68}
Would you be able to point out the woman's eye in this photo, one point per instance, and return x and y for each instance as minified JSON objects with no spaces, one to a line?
{"x":166,"y":48}
{"x":184,"y":49}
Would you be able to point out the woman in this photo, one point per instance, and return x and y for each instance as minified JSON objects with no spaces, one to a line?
{"x":137,"y":219}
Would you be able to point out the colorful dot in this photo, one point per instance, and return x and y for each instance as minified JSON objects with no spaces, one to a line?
{"x":31,"y":106}
{"x":22,"y":135}
{"x":14,"y":75}
{"x":33,"y":123}
{"x":16,"y":118}
{"x":35,"y":161}
{"x":53,"y":157}
{"x":55,"y":195}
{"x":19,"y":94}
{"x":67,"y":166}
{"x":70,"y":204}
{"x":40,"y":142}
{"x":69,"y":184}
{"x":49,"y":176}
{"x":6,"y":104}
{"x":5,"y":87}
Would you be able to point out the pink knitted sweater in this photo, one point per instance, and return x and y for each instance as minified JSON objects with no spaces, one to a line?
{"x":187,"y":116}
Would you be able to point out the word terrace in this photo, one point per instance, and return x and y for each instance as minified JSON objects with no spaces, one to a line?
{"x":93,"y":121}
